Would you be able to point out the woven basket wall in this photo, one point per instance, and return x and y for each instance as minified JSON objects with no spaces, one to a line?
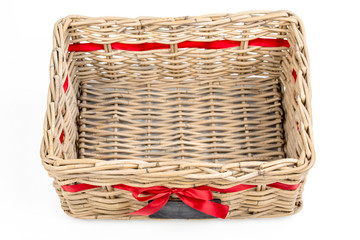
{"x":179,"y":102}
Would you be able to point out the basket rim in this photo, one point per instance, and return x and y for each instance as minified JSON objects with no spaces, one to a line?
{"x":204,"y":19}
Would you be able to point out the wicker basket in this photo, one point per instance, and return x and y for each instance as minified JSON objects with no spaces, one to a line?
{"x":188,"y":117}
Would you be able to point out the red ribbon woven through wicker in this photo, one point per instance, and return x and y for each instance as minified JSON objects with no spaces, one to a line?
{"x":219,"y":44}
{"x":197,"y":198}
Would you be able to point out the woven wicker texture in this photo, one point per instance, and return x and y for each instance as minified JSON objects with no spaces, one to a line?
{"x":179,"y":117}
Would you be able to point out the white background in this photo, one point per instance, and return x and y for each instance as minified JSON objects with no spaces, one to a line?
{"x":29,"y":206}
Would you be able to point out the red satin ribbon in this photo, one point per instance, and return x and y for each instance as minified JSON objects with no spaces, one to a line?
{"x":61,"y":138}
{"x":197,"y":198}
{"x":294,"y":74}
{"x":66,"y":84}
{"x":218,"y":44}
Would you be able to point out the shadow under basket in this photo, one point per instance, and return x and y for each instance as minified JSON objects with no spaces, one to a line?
{"x":188,"y":117}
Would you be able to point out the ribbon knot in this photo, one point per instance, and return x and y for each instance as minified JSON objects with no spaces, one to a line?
{"x":175,"y":190}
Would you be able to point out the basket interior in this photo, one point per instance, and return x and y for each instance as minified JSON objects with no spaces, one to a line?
{"x":201,"y":105}
{"x":182,"y":102}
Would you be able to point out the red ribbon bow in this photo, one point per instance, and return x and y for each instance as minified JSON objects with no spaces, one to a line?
{"x":197,"y":198}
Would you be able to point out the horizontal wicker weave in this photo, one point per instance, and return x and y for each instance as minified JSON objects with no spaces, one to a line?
{"x":179,"y":102}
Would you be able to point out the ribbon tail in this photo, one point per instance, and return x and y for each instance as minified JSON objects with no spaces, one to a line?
{"x":211,"y":208}
{"x":153,"y":206}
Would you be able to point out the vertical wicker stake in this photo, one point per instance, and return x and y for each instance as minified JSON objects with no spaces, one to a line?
{"x":189,"y":110}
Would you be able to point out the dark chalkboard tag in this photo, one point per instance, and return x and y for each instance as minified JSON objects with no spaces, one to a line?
{"x":179,"y":210}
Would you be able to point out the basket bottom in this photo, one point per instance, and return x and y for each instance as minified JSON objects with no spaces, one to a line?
{"x":222,"y":119}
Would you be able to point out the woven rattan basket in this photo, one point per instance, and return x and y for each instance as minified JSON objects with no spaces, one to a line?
{"x":188,"y":117}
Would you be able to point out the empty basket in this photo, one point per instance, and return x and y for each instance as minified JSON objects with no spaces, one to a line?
{"x":188,"y":117}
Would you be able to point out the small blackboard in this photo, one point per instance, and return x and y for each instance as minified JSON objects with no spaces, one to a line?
{"x":179,"y":210}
